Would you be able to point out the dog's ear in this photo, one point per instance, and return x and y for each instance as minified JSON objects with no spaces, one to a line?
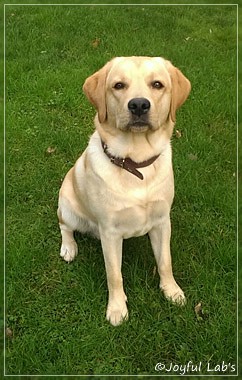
{"x":95,"y":89}
{"x":181,"y":88}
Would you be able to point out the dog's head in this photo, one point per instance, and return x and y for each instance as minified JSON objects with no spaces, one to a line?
{"x":137,"y":93}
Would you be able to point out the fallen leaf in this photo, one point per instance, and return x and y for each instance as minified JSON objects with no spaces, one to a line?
{"x":96,"y":42}
{"x":201,"y":315}
{"x":50,"y":150}
{"x":198,"y":308}
{"x":192,"y":157}
{"x":178,"y":134}
{"x":9,"y":332}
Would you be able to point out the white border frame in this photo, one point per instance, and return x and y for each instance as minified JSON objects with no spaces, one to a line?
{"x":237,"y":177}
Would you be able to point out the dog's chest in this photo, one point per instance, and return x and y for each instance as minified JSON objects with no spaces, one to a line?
{"x":139,"y":218}
{"x":133,"y":209}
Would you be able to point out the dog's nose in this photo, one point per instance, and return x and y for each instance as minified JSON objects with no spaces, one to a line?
{"x":139,"y":106}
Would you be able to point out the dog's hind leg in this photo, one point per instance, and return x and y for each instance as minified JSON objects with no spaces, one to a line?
{"x":69,"y":248}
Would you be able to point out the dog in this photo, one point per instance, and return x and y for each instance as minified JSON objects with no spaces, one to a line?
{"x":122,"y":185}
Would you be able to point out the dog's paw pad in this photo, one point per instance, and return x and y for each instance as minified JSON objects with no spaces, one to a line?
{"x":117,"y":315}
{"x":69,"y":252}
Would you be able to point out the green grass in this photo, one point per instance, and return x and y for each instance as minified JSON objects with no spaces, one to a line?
{"x":1,"y":195}
{"x":55,"y":312}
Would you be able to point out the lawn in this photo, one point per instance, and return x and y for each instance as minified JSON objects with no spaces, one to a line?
{"x":55,"y":312}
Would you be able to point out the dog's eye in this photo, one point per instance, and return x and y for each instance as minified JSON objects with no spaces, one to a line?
{"x":157,"y":84}
{"x":119,"y":86}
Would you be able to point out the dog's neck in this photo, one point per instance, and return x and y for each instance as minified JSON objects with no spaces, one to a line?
{"x":128,"y":164}
{"x":139,"y":147}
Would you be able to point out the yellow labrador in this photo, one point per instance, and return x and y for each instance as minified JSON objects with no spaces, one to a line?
{"x":122,"y":185}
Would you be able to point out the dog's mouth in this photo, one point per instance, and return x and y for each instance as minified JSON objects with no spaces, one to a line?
{"x":138,"y":126}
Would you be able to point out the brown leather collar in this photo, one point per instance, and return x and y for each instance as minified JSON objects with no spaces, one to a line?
{"x":128,"y":164}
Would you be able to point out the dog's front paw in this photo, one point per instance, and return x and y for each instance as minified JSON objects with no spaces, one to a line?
{"x":117,"y":313}
{"x":69,"y":251}
{"x":174,"y":293}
